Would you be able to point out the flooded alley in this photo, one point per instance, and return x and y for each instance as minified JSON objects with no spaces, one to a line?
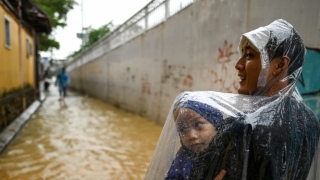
{"x":80,"y":138}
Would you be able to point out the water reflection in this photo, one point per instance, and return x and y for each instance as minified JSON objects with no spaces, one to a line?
{"x":80,"y":138}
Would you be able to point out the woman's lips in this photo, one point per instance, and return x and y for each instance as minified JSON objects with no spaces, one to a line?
{"x":242,"y":78}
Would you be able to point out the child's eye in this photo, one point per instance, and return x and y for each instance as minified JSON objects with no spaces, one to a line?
{"x":198,"y":124}
{"x":182,"y":129}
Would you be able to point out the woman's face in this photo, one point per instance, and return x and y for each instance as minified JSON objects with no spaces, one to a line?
{"x":195,"y":131}
{"x":249,"y":67}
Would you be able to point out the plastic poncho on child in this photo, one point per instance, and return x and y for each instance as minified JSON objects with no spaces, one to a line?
{"x":256,"y":136}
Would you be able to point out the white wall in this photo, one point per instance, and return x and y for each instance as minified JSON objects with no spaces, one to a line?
{"x":196,"y":49}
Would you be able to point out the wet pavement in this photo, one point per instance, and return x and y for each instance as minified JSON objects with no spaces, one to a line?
{"x":80,"y":138}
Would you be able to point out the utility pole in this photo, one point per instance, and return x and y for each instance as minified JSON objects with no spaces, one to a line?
{"x":82,"y":24}
{"x":81,"y":35}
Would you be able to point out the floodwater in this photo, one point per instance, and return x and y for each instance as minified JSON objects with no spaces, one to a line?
{"x":80,"y":138}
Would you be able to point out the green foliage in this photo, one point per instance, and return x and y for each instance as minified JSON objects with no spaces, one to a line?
{"x":57,"y":11}
{"x":94,"y":36}
{"x":75,"y":53}
{"x":47,"y":42}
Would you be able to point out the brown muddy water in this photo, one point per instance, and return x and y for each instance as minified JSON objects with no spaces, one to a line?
{"x":80,"y":138}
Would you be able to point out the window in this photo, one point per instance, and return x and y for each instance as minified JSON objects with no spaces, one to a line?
{"x":29,"y":47}
{"x":7,"y":32}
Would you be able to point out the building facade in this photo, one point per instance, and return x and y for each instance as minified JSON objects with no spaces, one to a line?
{"x":20,"y":23}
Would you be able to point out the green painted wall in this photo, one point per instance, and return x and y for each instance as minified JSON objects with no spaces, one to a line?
{"x":309,"y":82}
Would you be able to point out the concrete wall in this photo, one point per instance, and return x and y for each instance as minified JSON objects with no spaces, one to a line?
{"x":196,"y":49}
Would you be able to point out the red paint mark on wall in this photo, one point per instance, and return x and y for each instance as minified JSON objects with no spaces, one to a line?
{"x":145,"y":85}
{"x":188,"y":81}
{"x":146,"y":88}
{"x":221,"y":75}
{"x":177,"y":76}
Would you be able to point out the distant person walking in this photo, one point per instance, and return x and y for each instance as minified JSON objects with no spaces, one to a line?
{"x":63,"y":81}
{"x":47,"y":76}
{"x":46,"y":79}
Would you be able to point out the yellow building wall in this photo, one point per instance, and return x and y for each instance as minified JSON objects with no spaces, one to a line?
{"x":10,"y":66}
{"x":28,"y":58}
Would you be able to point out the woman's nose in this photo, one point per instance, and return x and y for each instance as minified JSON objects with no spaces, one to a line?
{"x":239,"y":65}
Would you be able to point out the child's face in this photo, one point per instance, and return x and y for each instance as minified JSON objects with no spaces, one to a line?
{"x":195,"y":131}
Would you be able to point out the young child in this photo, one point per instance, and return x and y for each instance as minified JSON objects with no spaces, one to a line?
{"x":197,"y":124}
{"x":210,"y":144}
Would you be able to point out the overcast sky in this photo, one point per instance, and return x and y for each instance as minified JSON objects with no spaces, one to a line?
{"x":95,"y":13}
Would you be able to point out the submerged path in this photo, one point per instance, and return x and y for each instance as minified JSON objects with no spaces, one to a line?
{"x":80,"y":138}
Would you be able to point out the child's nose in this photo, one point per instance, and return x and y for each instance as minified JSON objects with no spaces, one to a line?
{"x":193,"y":134}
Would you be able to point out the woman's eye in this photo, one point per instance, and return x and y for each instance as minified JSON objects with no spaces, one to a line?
{"x":249,"y":55}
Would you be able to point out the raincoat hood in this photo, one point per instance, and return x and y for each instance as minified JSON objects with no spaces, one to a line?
{"x":275,"y":40}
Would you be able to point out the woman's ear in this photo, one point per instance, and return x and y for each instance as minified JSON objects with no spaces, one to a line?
{"x":282,"y":65}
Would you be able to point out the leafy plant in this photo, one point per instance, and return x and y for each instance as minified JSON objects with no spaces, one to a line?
{"x":57,"y":11}
{"x":94,"y":36}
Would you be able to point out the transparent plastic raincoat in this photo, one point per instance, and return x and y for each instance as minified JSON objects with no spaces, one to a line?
{"x":263,"y":135}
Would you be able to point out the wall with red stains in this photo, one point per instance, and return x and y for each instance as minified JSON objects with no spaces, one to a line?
{"x":196,"y":49}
